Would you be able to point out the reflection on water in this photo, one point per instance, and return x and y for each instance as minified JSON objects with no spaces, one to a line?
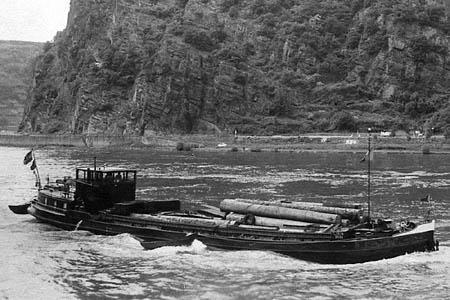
{"x":58,"y":264}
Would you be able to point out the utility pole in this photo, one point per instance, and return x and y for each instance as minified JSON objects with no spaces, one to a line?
{"x":368,"y":175}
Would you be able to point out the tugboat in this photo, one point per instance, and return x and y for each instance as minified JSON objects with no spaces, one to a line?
{"x":103,"y":202}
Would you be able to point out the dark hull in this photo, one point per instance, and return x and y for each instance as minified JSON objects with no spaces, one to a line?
{"x":21,"y":209}
{"x":322,"y":251}
{"x":332,"y":252}
{"x":76,"y":220}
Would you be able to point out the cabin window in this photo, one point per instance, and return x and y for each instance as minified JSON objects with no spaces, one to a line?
{"x":118,"y":177}
{"x":98,"y":175}
{"x":108,"y":177}
{"x":65,"y":205}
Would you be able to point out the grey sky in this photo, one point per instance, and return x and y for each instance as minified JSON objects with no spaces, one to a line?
{"x":32,"y":20}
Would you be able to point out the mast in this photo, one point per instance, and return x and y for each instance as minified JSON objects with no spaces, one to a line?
{"x":368,"y":175}
{"x":36,"y":170}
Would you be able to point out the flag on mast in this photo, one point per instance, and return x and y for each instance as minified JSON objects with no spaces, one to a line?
{"x":33,"y":165}
{"x":38,"y":180}
{"x":28,"y":158}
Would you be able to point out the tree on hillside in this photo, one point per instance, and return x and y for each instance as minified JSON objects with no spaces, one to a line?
{"x":343,"y":121}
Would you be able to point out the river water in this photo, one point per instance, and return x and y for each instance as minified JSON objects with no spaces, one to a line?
{"x":39,"y":261}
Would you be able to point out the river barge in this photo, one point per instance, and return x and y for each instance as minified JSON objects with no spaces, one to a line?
{"x":103,"y":202}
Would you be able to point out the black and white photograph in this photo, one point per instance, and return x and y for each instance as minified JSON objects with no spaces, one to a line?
{"x":224,"y":149}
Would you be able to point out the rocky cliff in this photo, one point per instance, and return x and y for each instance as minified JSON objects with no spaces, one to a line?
{"x":15,"y":69}
{"x":261,"y":66}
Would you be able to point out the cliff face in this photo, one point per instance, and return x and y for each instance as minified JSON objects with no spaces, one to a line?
{"x":263,"y":67}
{"x":15,"y":60}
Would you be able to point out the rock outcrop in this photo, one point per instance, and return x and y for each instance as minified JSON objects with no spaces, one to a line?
{"x":263,"y":67}
{"x":15,"y":78}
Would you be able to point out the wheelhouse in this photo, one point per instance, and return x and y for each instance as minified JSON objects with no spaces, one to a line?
{"x":101,"y":189}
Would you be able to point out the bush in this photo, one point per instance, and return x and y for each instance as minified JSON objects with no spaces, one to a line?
{"x":377,"y":42}
{"x":48,"y":58}
{"x":343,"y":121}
{"x":180,"y":146}
{"x":186,"y":147}
{"x":280,"y":106}
{"x":423,"y":49}
{"x":105,"y":107}
{"x":267,"y":31}
{"x":219,"y":35}
{"x":227,"y":4}
{"x":240,"y":79}
{"x":54,"y":126}
{"x":47,"y":46}
{"x":447,"y":133}
{"x":259,"y":8}
{"x":199,"y":40}
{"x":234,"y":12}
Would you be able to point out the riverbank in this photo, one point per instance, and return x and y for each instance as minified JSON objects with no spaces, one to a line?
{"x":351,"y":143}
{"x":90,"y":141}
{"x":197,"y":142}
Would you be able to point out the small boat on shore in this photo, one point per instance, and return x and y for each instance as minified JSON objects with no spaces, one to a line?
{"x":103,"y":202}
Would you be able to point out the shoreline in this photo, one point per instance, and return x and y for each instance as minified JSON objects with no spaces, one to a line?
{"x":227,"y":143}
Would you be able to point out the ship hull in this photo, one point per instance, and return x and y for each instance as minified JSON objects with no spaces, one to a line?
{"x":337,"y":251}
{"x":78,"y":220}
{"x":345,"y":251}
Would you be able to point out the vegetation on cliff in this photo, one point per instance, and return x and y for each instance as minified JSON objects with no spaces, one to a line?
{"x":261,"y":66}
{"x":15,"y":79}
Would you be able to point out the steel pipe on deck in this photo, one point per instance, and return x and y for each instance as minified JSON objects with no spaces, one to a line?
{"x":178,"y":220}
{"x":345,"y":213}
{"x":273,"y":211}
{"x":266,"y":221}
